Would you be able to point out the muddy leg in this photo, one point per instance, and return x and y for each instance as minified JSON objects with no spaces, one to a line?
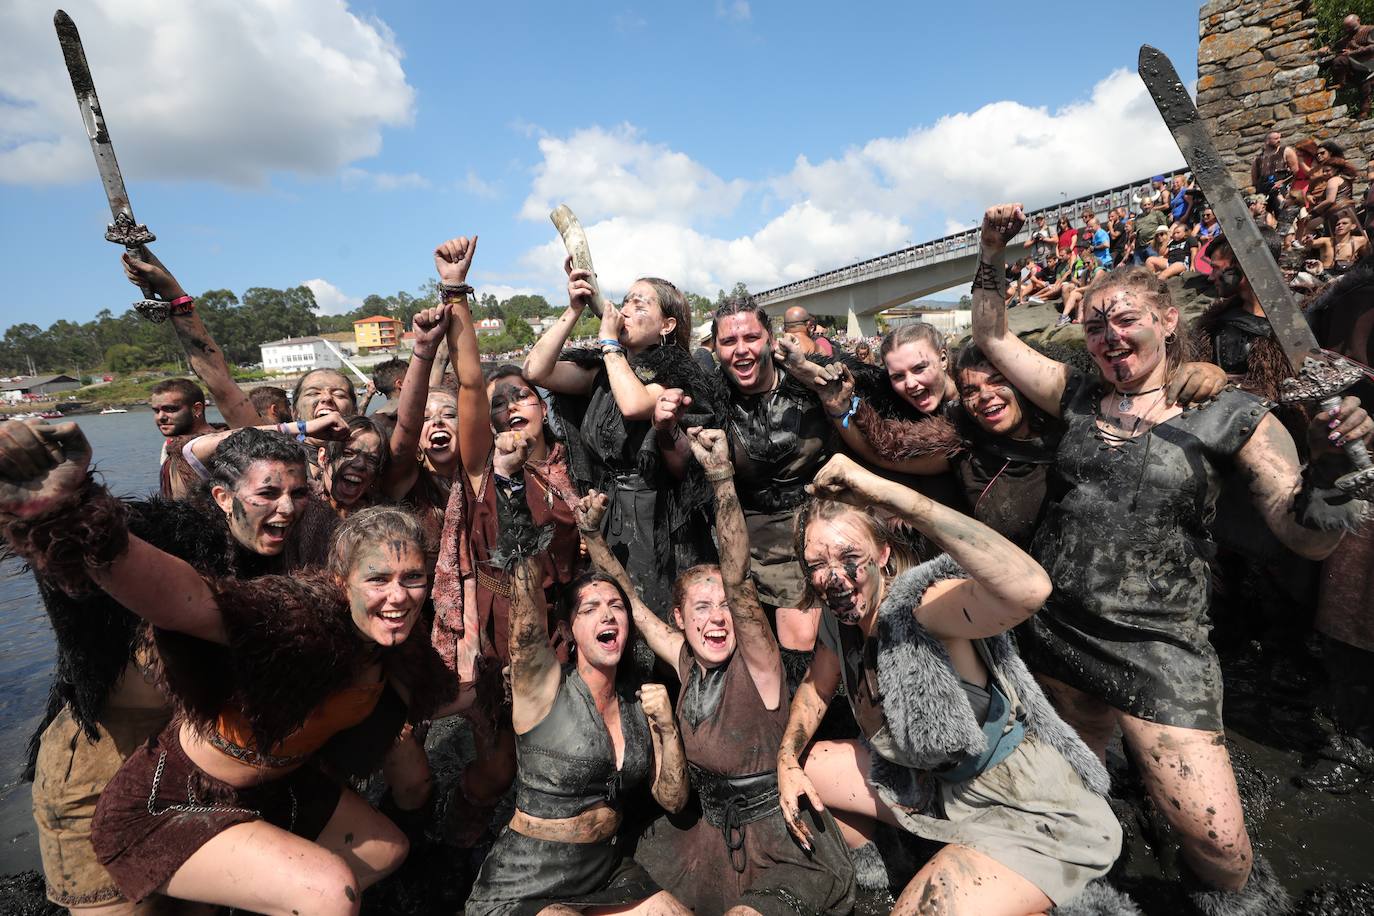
{"x":1188,"y":775}
{"x":961,"y":881}
{"x":1093,"y":719}
{"x":839,"y":770}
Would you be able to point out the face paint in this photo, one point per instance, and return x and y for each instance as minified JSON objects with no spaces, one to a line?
{"x":265,"y":504}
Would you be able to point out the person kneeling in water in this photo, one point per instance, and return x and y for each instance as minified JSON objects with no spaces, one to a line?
{"x":962,"y":746}
{"x":732,"y":710}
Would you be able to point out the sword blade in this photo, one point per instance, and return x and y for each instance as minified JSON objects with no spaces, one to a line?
{"x":89,"y":103}
{"x":1291,"y":330}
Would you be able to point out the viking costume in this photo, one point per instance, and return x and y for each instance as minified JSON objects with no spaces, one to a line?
{"x":82,"y":740}
{"x":740,"y":839}
{"x":991,"y":768}
{"x":291,"y":676}
{"x":656,"y":526}
{"x":1343,"y":321}
{"x":1126,"y":544}
{"x":567,"y":766}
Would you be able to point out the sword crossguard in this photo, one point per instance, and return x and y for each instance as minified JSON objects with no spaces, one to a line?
{"x":1357,"y":484}
{"x":154,"y":310}
{"x":1320,"y":378}
{"x":124,"y":231}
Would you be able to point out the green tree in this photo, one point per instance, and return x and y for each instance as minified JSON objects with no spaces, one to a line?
{"x":125,"y":358}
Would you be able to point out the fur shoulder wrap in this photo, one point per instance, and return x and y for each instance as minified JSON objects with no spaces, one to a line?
{"x":292,"y":642}
{"x":927,"y":712}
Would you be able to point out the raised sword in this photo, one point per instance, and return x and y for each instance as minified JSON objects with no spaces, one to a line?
{"x":124,"y":229}
{"x":1321,"y":375}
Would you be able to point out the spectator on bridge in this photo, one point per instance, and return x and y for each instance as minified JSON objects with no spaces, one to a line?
{"x":798,"y":322}
{"x":1056,"y":275}
{"x":1042,"y":240}
{"x":1273,"y":168}
{"x":1101,"y":240}
{"x":1084,"y":268}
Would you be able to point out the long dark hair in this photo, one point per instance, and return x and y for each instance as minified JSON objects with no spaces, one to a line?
{"x":567,"y":604}
{"x":241,"y":448}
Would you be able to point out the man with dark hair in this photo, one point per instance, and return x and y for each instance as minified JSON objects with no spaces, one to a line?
{"x":387,"y":378}
{"x":1352,"y":61}
{"x":179,"y":410}
{"x":271,"y":403}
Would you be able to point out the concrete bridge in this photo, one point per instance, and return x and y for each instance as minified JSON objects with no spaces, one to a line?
{"x":860,"y":291}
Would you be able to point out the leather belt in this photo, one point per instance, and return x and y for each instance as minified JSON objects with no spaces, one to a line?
{"x":728,"y":803}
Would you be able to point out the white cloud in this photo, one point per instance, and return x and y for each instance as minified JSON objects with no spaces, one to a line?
{"x":798,"y":243}
{"x":644,"y":204}
{"x":224,"y":90}
{"x":601,"y":173}
{"x":734,"y":10}
{"x":331,"y":299}
{"x":473,"y":184}
{"x":1002,"y":151}
{"x":503,"y":291}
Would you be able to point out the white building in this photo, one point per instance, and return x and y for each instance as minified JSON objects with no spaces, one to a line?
{"x":297,"y":354}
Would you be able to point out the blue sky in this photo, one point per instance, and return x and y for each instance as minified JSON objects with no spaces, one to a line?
{"x":270,"y":143}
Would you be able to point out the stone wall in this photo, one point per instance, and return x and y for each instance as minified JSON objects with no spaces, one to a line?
{"x":1257,"y":72}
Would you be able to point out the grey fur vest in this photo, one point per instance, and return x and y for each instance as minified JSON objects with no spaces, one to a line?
{"x":927,"y":712}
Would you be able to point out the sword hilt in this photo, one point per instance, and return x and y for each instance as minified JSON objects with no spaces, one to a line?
{"x":1359,"y":483}
{"x":152,"y":306}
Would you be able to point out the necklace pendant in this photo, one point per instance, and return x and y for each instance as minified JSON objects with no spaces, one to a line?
{"x":1124,"y":405}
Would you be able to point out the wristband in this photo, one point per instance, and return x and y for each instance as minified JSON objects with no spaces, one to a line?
{"x":608,"y":342}
{"x":845,"y":417}
{"x":182,"y":305}
{"x":421,"y":357}
{"x":300,"y":430}
{"x":448,"y":295}
{"x":718,"y":474}
{"x":608,"y":349}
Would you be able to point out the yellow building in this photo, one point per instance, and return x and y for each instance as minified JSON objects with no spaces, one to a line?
{"x":377,"y":333}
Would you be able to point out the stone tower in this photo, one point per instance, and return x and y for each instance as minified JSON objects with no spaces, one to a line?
{"x":1257,"y":72}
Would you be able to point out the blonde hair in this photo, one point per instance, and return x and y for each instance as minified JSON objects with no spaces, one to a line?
{"x":901,"y":558}
{"x":371,"y":526}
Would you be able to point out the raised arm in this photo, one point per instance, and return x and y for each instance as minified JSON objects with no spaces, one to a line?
{"x":430,"y":327}
{"x":1305,"y":512}
{"x":542,"y":366}
{"x":68,"y":528}
{"x":672,"y":441}
{"x":670,"y":763}
{"x":665,"y":640}
{"x":206,"y":358}
{"x":635,"y":399}
{"x":475,"y":440}
{"x":534,"y":670}
{"x":1004,"y":585}
{"x":753,"y":635}
{"x":330,"y":427}
{"x":1036,"y":376}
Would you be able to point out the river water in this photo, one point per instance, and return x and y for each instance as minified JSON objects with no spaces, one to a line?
{"x":126,"y":449}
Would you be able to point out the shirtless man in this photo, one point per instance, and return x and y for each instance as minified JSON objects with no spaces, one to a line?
{"x":179,"y":411}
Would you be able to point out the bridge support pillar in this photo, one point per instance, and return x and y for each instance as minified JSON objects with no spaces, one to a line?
{"x":861,"y":325}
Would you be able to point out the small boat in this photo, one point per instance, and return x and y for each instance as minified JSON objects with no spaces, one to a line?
{"x":114,"y":410}
{"x":50,"y":415}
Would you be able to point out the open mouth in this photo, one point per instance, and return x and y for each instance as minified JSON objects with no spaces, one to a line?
{"x":440,"y":439}
{"x":322,"y":409}
{"x":609,"y":637}
{"x":394,"y":620}
{"x":744,"y":368}
{"x":517,"y":422}
{"x":715,"y":638}
{"x":994,"y":412}
{"x":842,"y":604}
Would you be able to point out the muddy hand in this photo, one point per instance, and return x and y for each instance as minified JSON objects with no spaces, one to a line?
{"x":1195,"y":384}
{"x":654,"y":699}
{"x":1347,"y":423}
{"x":453,"y":258}
{"x":41,"y":466}
{"x":710,"y":448}
{"x":329,"y":427}
{"x":590,"y":510}
{"x":841,"y":479}
{"x":152,"y":277}
{"x":793,"y":784}
{"x":512,"y":448}
{"x":580,"y":289}
{"x":669,"y":408}
{"x":1000,"y":225}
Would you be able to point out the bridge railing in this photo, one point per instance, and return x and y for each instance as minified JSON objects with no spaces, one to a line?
{"x":960,"y":243}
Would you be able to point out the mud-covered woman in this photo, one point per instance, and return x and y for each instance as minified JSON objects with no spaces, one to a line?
{"x":104,"y":702}
{"x":1123,"y":640}
{"x":731,"y":710}
{"x":225,"y":805}
{"x":960,"y":745}
{"x":657,"y":521}
{"x":503,"y":448}
{"x":586,"y":741}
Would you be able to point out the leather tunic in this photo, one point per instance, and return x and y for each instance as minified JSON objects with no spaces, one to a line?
{"x":778,"y":440}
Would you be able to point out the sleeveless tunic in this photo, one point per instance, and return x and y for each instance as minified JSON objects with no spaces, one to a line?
{"x":727,"y":731}
{"x":1125,"y":541}
{"x":567,"y":766}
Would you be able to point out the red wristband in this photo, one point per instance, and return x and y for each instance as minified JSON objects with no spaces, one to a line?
{"x":182,"y":305}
